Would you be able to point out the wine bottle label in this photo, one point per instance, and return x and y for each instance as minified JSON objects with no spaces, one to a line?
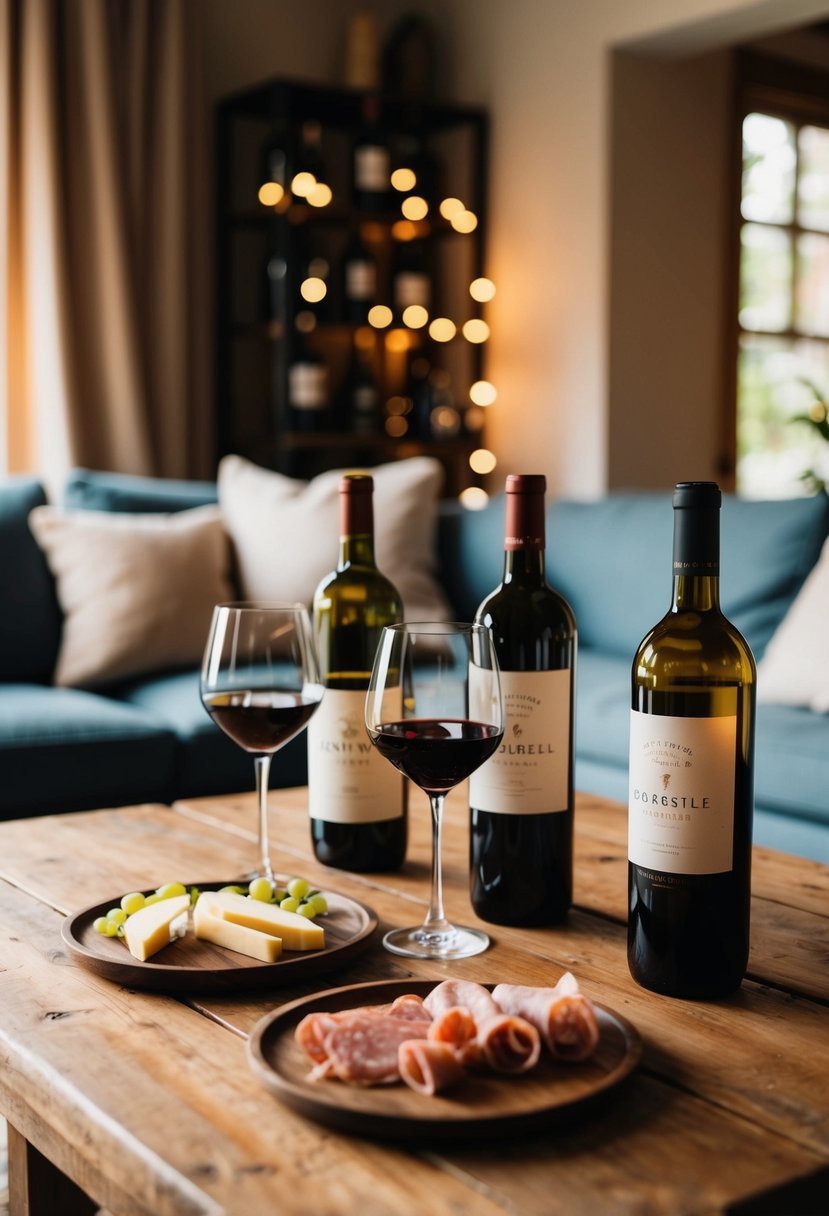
{"x":681,"y":800}
{"x":308,"y":386}
{"x":360,"y":280}
{"x":411,"y":287}
{"x":348,"y":780}
{"x":371,"y":167}
{"x":530,"y":772}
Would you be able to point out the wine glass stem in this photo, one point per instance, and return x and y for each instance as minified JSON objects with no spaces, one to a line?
{"x":436,"y":921}
{"x":262,"y":765}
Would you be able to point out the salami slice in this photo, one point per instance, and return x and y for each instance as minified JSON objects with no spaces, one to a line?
{"x":363,"y":1049}
{"x":311,"y":1032}
{"x":428,"y":1065}
{"x":563,"y":1015}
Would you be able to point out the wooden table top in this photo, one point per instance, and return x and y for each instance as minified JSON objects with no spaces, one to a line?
{"x":147,"y":1102}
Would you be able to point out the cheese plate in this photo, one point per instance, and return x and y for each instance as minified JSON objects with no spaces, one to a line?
{"x":192,"y":965}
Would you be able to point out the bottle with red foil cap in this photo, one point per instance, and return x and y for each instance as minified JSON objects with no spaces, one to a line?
{"x":357,"y":801}
{"x":521,"y":800}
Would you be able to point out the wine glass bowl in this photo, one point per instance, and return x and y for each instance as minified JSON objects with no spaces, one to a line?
{"x":434,"y":710}
{"x":260,"y":683}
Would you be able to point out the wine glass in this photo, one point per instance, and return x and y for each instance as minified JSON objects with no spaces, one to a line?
{"x":261,"y":682}
{"x":434,"y":709}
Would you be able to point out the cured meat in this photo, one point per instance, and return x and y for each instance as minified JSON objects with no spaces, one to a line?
{"x":563,"y":1015}
{"x":465,"y":994}
{"x":505,"y":1043}
{"x":363,"y":1049}
{"x":428,"y":1065}
{"x":311,"y":1032}
{"x":457,"y":1028}
{"x":509,"y":1043}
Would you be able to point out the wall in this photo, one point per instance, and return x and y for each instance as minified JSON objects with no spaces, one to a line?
{"x":543,"y":68}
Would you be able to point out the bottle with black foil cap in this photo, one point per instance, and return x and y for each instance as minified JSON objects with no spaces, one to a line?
{"x":521,"y":800}
{"x":357,"y":801}
{"x":690,"y":803}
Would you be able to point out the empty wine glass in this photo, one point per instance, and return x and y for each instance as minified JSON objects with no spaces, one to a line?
{"x":434,"y":709}
{"x":260,"y":682}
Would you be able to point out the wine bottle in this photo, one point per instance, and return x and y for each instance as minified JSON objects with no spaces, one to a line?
{"x":521,"y":800}
{"x":372,"y":161}
{"x":357,"y":801}
{"x":359,"y":395}
{"x":307,"y":386}
{"x":359,"y":280}
{"x":690,"y":803}
{"x":411,"y":284}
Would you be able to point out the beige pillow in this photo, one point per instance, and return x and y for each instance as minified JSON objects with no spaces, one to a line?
{"x":137,"y":591}
{"x":795,"y":667}
{"x":286,"y":532}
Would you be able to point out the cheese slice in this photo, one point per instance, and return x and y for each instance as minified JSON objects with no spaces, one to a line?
{"x":210,"y":927}
{"x":297,"y":932}
{"x":148,"y":929}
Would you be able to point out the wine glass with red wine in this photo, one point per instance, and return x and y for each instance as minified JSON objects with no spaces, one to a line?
{"x":434,"y":709}
{"x":261,"y":682}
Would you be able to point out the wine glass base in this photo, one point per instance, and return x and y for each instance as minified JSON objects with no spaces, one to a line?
{"x":417,"y":942}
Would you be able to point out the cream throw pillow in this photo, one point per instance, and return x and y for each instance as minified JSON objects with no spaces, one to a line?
{"x":795,"y":667}
{"x":137,"y":591}
{"x":286,"y":532}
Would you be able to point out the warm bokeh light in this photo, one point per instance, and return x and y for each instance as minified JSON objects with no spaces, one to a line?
{"x":415,"y":316}
{"x":305,"y":321}
{"x":482,"y":290}
{"x":397,"y":406}
{"x":450,"y":207}
{"x":404,"y":179}
{"x":414,"y":207}
{"x":464,"y":221}
{"x":476,"y":330}
{"x":302,"y":184}
{"x":365,"y":338}
{"x":474,"y":418}
{"x":482,"y":461}
{"x":445,"y":420}
{"x":313,"y":290}
{"x":442,"y":329}
{"x":396,"y":426}
{"x":320,"y":195}
{"x":408,"y":230}
{"x":380,"y":316}
{"x":474,"y":498}
{"x":397,"y":339}
{"x":483,"y":392}
{"x":270,"y":194}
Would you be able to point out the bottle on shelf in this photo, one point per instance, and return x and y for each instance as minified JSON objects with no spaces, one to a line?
{"x":521,"y":800}
{"x":359,"y":395}
{"x":357,"y":801}
{"x":359,"y":279}
{"x":414,"y":170}
{"x":372,"y":160}
{"x":309,"y":178}
{"x":274,"y":174}
{"x":308,"y":390}
{"x":691,"y":776}
{"x":411,"y":284}
{"x":313,"y":278}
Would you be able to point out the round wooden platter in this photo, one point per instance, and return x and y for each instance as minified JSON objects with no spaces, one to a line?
{"x":479,"y":1105}
{"x":191,"y":965}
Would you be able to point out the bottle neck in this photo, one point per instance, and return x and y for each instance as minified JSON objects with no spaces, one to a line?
{"x":356,"y":529}
{"x":356,"y":549}
{"x":524,"y":538}
{"x":524,"y":566}
{"x":696,"y":560}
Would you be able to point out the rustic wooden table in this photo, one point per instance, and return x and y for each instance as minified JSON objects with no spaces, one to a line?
{"x":147,"y":1104}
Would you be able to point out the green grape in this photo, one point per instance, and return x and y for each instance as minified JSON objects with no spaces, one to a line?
{"x":117,"y":916}
{"x":260,"y":888}
{"x":306,"y":909}
{"x":232,"y":889}
{"x":99,"y":924}
{"x":279,"y":894}
{"x":132,"y":902}
{"x":110,"y":928}
{"x":170,"y":890}
{"x":319,"y":903}
{"x":298,"y":887}
{"x":290,"y":904}
{"x":152,"y":899}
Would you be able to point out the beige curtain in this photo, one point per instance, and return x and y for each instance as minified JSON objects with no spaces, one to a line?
{"x":104,"y":238}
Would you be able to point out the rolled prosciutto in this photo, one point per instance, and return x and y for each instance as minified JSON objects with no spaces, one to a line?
{"x":457,"y":1028}
{"x":465,"y":1013}
{"x":563,"y":1015}
{"x":428,"y":1065}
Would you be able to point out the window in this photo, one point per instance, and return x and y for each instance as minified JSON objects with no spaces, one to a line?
{"x":783,"y":310}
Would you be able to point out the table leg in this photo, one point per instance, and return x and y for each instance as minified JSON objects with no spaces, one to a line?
{"x":38,"y":1188}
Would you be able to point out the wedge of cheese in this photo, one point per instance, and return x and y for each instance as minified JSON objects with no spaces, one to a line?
{"x":147,"y":930}
{"x":209,"y":926}
{"x":297,"y":932}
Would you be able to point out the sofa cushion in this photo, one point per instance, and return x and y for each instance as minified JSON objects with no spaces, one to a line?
{"x":207,"y":762}
{"x":795,"y":668}
{"x":625,"y":541}
{"x":792,"y":762}
{"x":285,"y":532}
{"x":30,"y":618}
{"x":471,"y":553}
{"x":87,"y":489}
{"x":65,"y":750}
{"x":137,"y":592}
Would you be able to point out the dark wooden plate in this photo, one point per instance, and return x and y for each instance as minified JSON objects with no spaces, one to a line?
{"x":195,"y":966}
{"x":479,"y":1105}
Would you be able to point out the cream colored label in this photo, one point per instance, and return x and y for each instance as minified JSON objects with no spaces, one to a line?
{"x":348,"y":780}
{"x":529,"y":774}
{"x":681,"y":799}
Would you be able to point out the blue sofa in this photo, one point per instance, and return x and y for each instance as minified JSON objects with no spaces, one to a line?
{"x":150,"y":740}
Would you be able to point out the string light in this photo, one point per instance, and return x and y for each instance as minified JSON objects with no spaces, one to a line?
{"x":414,"y":207}
{"x":474,"y":498}
{"x":271,"y":194}
{"x":482,"y":290}
{"x":415,"y":316}
{"x":313,"y":290}
{"x":450,"y":207}
{"x":303,"y":183}
{"x":483,"y":392}
{"x":476,"y":330}
{"x":482,"y":461}
{"x":320,"y":195}
{"x":442,"y":329}
{"x":380,"y":316}
{"x":396,"y":426}
{"x":404,"y":180}
{"x":464,"y":221}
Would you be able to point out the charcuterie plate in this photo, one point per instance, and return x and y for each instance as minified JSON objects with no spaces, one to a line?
{"x":480,"y":1104}
{"x":191,"y":965}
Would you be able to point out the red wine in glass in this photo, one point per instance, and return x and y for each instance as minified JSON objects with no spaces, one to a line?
{"x":436,"y":755}
{"x":260,"y":721}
